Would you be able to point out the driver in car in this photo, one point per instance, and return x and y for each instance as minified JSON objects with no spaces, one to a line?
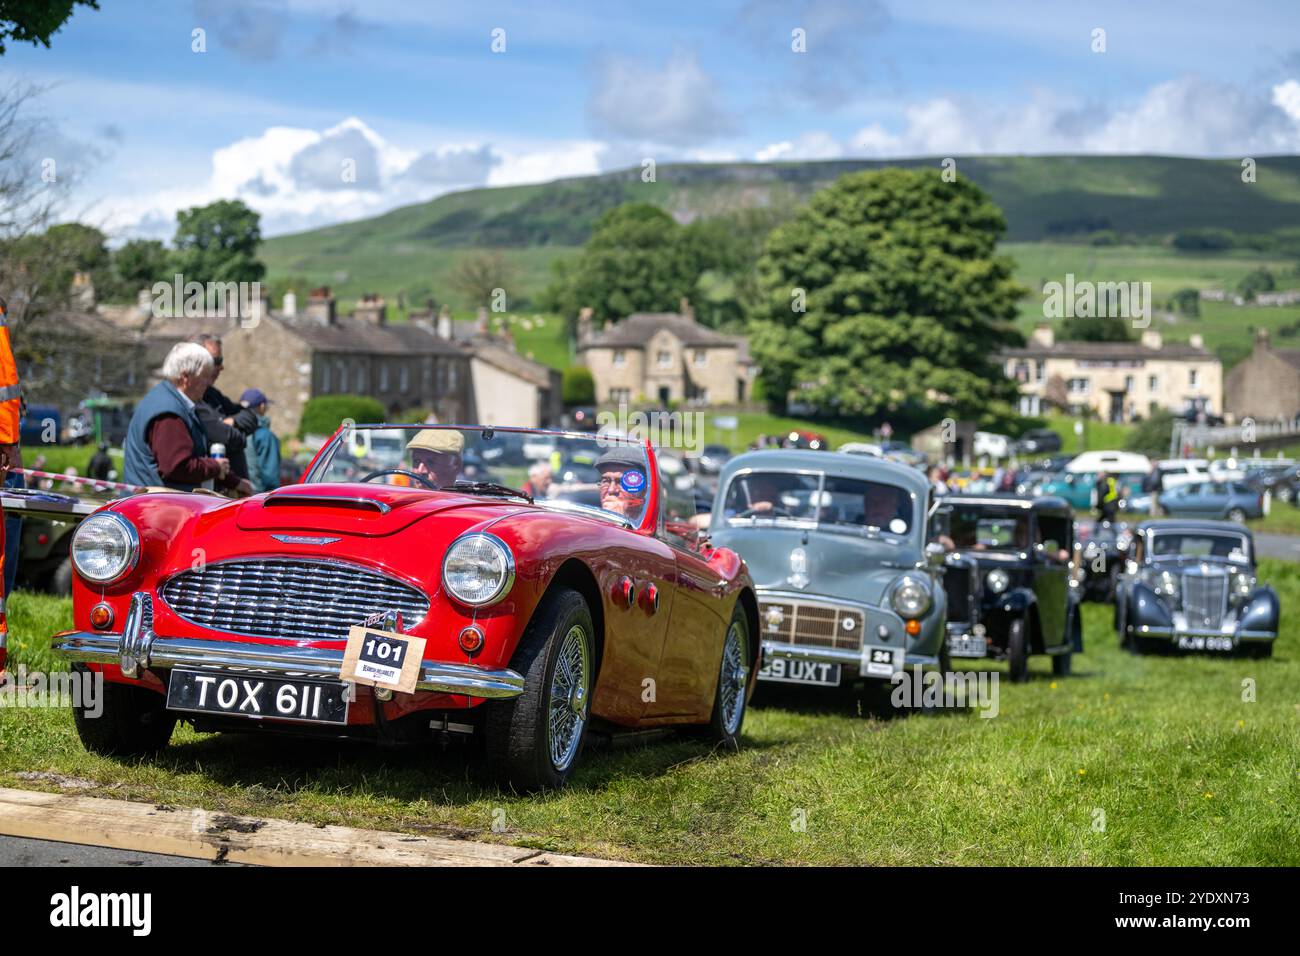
{"x":883,"y":505}
{"x":437,"y":455}
{"x":622,"y":482}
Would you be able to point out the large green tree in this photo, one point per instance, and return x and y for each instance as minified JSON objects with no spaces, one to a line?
{"x":138,"y":264}
{"x":218,"y":243}
{"x":634,"y":262}
{"x":35,"y":21}
{"x":886,"y":293}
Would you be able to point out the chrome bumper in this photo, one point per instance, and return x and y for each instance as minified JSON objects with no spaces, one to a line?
{"x":138,"y":648}
{"x":1173,"y":633}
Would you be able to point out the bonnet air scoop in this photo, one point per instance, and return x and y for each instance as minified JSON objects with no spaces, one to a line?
{"x":352,"y":502}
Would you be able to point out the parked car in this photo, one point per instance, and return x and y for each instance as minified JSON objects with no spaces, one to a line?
{"x":814,"y":441}
{"x":1102,"y":547}
{"x":1233,"y":500}
{"x":1079,"y":489}
{"x":713,"y":458}
{"x":1191,"y":585}
{"x":1282,"y":483}
{"x":43,"y":562}
{"x":901,"y":451}
{"x":537,"y":617}
{"x":1038,"y":441}
{"x":1007,"y":577}
{"x":1182,"y":471}
{"x":836,"y":547}
{"x":991,"y":445}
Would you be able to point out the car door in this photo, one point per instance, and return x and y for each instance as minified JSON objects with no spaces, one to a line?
{"x":1052,"y":575}
{"x":688,"y":668}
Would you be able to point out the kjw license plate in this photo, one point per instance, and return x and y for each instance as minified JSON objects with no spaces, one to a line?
{"x":788,"y":671}
{"x":258,"y":696}
{"x":1190,"y":643}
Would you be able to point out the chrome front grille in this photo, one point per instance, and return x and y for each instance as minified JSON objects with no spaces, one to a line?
{"x":288,"y":597}
{"x":815,"y":625}
{"x":1203,"y":599}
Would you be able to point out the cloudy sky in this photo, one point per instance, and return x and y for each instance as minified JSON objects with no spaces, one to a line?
{"x":318,"y":111}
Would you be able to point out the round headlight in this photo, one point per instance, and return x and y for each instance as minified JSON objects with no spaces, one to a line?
{"x":478,"y":569}
{"x":1242,"y":584}
{"x":105,"y":548}
{"x":911,"y":598}
{"x":997,"y":580}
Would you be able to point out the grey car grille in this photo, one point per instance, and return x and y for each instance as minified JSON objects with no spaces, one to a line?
{"x":285,"y":597}
{"x":814,"y":625}
{"x":1203,"y":599}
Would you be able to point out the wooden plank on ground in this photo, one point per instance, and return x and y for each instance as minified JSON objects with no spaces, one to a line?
{"x":259,"y":841}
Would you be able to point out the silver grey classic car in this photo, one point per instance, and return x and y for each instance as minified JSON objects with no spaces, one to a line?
{"x":836,"y":545}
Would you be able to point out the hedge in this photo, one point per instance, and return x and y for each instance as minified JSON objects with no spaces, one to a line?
{"x":324,"y":414}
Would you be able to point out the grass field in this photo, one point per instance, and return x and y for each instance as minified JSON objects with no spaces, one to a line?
{"x":1141,"y":761}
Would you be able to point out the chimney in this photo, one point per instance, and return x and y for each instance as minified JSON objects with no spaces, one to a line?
{"x":1043,"y":335}
{"x":444,"y":323}
{"x":290,"y":307}
{"x":481,"y":325}
{"x":686,"y":309}
{"x":1197,"y":342}
{"x":371,"y":309}
{"x":320,"y":306}
{"x":1151,"y":339}
{"x":584,"y":325}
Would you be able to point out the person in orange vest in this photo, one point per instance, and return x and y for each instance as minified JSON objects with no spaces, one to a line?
{"x":10,"y":411}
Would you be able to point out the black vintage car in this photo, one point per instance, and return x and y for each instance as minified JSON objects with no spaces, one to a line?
{"x":1190,"y":585}
{"x":1007,"y":573}
{"x":1102,"y":547}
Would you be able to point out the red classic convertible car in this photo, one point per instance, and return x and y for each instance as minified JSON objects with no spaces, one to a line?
{"x":544,"y":604}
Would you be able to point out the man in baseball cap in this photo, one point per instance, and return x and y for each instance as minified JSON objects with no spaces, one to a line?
{"x":622,"y":481}
{"x":263,"y":446}
{"x":437,"y":454}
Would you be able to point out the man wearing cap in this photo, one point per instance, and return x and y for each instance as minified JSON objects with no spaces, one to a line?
{"x":622,"y":482}
{"x":437,"y":455}
{"x":263,"y":446}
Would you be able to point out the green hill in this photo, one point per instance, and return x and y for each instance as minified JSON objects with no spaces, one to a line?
{"x":1045,"y":198}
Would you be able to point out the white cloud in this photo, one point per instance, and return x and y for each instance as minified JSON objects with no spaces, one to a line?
{"x":679,"y":104}
{"x":1189,"y":116}
{"x":814,"y":144}
{"x":1286,"y":97}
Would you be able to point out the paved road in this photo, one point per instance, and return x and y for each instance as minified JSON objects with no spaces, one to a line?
{"x":20,"y":851}
{"x":1285,"y":546}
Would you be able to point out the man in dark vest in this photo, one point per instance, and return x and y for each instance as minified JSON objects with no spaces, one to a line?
{"x":165,"y":442}
{"x":225,"y":421}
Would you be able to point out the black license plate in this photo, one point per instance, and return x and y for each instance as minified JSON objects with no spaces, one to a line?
{"x":789,"y":671}
{"x":258,"y":696}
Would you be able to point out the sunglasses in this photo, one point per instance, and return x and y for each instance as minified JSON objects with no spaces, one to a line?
{"x":218,"y":361}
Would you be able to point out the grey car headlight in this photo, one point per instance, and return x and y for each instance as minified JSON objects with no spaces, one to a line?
{"x":997,"y":580}
{"x":478,"y":569}
{"x":911,"y":597}
{"x":105,"y":548}
{"x":1164,"y":583}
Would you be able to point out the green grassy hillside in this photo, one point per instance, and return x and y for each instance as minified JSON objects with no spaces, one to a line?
{"x":1045,"y":198}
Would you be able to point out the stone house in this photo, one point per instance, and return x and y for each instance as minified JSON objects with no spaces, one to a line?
{"x":1266,"y":385}
{"x":662,"y":357}
{"x":1119,"y":381}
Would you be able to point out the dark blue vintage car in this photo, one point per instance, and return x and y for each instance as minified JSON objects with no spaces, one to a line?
{"x":836,"y":545}
{"x":1190,"y":585}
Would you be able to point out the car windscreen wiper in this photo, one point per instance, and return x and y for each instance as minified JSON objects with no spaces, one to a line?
{"x":486,"y":488}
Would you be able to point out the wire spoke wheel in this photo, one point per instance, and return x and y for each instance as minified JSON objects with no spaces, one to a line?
{"x":734,"y":675}
{"x":569,"y":698}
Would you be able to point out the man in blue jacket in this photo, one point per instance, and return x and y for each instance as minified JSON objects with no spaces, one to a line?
{"x":263,"y":446}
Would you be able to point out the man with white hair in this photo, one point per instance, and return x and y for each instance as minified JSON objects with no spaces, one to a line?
{"x":539,"y":480}
{"x":165,"y":442}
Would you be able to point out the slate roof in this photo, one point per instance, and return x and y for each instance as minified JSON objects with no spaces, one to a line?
{"x":639,"y":327}
{"x":1101,"y":351}
{"x":358,"y":336}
